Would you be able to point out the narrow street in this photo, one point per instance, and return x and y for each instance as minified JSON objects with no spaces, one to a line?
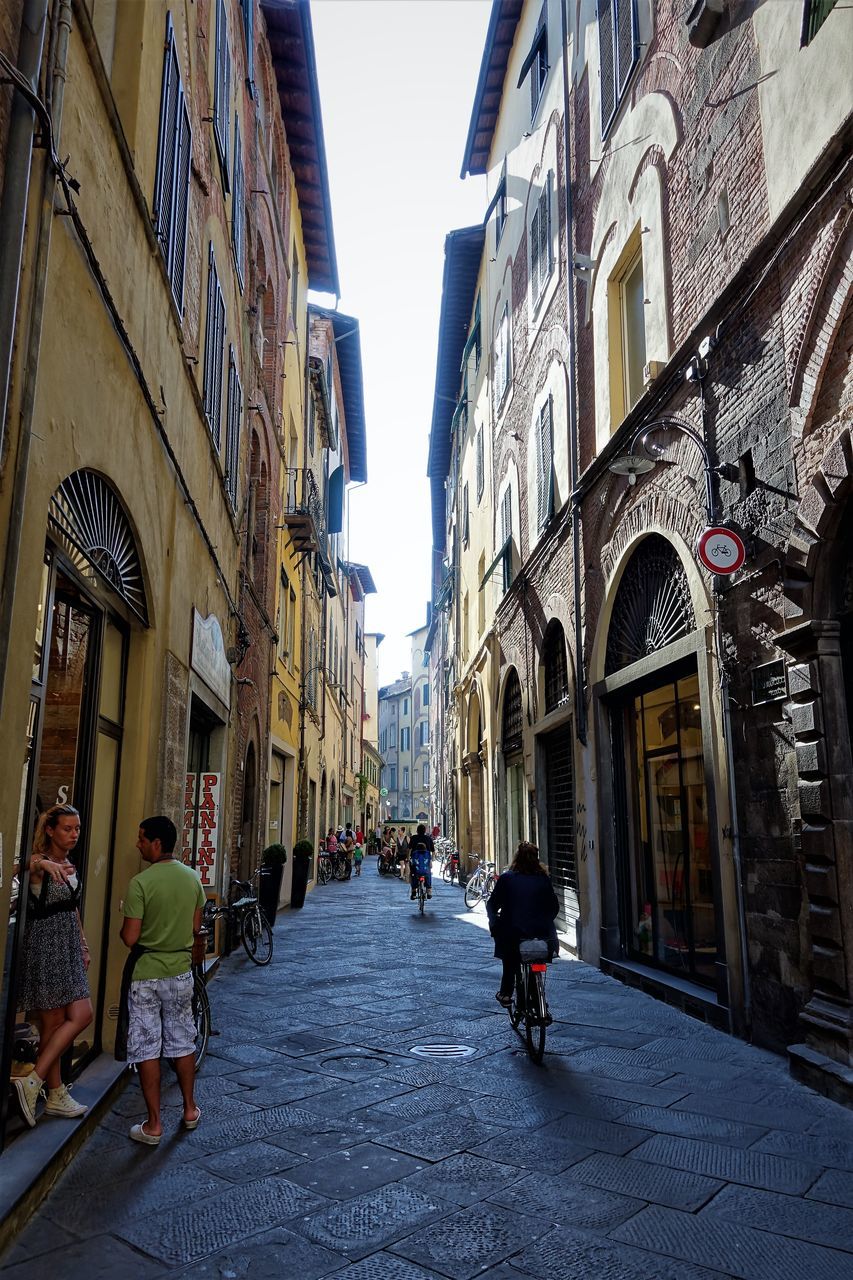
{"x":646,"y":1146}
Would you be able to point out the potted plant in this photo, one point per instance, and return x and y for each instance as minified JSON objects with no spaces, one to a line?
{"x":269,"y":883}
{"x":303,"y":851}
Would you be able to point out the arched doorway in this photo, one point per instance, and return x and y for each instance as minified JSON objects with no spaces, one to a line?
{"x":557,"y":774}
{"x":515,"y":790}
{"x":248,"y":822}
{"x":91,"y":601}
{"x":472,"y":769}
{"x":663,"y":856}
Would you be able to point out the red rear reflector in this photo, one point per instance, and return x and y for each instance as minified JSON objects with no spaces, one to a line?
{"x":539,"y":968}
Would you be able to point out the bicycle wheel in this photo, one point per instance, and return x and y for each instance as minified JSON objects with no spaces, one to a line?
{"x":489,"y":887}
{"x":474,"y":890}
{"x":201,"y":1014}
{"x":341,"y":869}
{"x":447,"y":873}
{"x":256,"y":936}
{"x":323,"y":871}
{"x":534,"y":1015}
{"x":516,"y":1009}
{"x":421,"y":896}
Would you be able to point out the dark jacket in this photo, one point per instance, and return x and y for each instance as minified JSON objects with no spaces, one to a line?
{"x":521,"y":907}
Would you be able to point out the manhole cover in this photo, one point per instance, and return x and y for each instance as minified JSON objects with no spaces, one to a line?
{"x":352,"y":1060}
{"x":443,"y":1051}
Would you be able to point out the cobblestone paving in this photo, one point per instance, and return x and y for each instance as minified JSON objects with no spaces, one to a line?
{"x":647,"y":1147}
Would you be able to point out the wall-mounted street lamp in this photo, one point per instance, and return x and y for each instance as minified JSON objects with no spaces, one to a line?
{"x":643,"y":455}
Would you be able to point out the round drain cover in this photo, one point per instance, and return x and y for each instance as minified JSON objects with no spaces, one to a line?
{"x":351,"y":1060}
{"x":443,"y":1051}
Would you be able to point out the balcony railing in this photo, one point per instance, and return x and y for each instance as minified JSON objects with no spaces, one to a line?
{"x":303,"y":510}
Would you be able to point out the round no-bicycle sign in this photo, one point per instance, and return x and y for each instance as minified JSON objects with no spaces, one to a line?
{"x":721,"y":550}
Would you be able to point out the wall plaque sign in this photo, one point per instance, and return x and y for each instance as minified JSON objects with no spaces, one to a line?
{"x":769,"y":682}
{"x":208,"y":656}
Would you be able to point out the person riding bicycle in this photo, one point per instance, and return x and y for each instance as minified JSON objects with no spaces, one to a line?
{"x":421,"y":863}
{"x":523,"y":905}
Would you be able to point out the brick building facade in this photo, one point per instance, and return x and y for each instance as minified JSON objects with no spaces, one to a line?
{"x":675,"y":740}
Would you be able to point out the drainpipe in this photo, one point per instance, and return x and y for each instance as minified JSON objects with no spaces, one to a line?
{"x":580,"y":681}
{"x":16,"y":189}
{"x":30,"y":346}
{"x":701,"y":367}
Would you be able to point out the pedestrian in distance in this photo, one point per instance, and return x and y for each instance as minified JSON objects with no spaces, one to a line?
{"x":54,"y":962}
{"x":331,"y":841}
{"x":162,"y":916}
{"x":421,"y":860}
{"x":522,"y":905}
{"x":358,"y":858}
{"x":348,"y":847}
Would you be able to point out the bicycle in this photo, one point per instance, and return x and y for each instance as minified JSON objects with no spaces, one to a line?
{"x":421,"y":890}
{"x":244,"y":913}
{"x":324,"y":867}
{"x":480,"y":884}
{"x":450,"y":870}
{"x":528,"y":1000}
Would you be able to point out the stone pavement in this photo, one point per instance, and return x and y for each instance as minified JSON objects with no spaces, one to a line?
{"x":648,"y":1147}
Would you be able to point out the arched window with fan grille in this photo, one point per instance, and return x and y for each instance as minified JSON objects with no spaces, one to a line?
{"x":512,"y":719}
{"x":88,"y":522}
{"x":652,"y":608}
{"x":556,"y":668}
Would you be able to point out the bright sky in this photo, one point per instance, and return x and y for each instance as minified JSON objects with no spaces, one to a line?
{"x":397,"y":82}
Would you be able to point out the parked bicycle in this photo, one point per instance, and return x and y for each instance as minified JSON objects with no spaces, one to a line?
{"x":480,"y":884}
{"x":450,"y":870}
{"x":245,"y":920}
{"x":528,"y":1001}
{"x":332,"y":866}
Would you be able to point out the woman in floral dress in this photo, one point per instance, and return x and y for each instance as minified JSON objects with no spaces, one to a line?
{"x":54,"y":962}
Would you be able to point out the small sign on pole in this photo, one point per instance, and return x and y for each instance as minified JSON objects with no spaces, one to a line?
{"x":721,"y":550}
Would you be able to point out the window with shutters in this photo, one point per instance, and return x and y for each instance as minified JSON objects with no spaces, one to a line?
{"x":541,"y":254}
{"x":481,"y":469}
{"x":232,"y":429}
{"x":172,"y":181}
{"x":503,"y":358}
{"x":405,"y":777}
{"x":629,"y":330}
{"x":536,"y":62}
{"x":618,"y":53}
{"x":238,"y":205}
{"x":815,"y":14}
{"x":466,"y":515}
{"x":501,"y":208}
{"x":214,"y":352}
{"x":506,"y":536}
{"x":545,"y":464}
{"x":248,"y":7}
{"x":221,"y":90}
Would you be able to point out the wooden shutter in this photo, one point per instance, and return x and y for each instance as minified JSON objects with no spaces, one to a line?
{"x":481,"y":470}
{"x":465,"y":513}
{"x":607,"y":62}
{"x":248,"y":7}
{"x":214,"y":348}
{"x":238,"y":204}
{"x":183,"y":160}
{"x":534,"y":252}
{"x":221,"y":89}
{"x":506,"y":534}
{"x":545,"y":260}
{"x":164,"y":183}
{"x":544,"y":464}
{"x":626,"y":43}
{"x":233,"y":422}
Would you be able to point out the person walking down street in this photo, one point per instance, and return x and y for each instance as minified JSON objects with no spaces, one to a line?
{"x":358,"y":858}
{"x":54,"y":962}
{"x":331,"y":841}
{"x":162,"y":915}
{"x":348,"y":847}
{"x":403,"y":847}
{"x":421,"y":859}
{"x":522,"y":905}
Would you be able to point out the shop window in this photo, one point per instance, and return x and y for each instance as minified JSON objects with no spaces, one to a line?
{"x":669,"y":916}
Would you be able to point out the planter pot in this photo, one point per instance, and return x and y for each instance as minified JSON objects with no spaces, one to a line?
{"x":269,"y":888}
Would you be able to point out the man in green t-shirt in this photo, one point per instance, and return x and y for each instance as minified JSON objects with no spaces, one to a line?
{"x":162,"y":914}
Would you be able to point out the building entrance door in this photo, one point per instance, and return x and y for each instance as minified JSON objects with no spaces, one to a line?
{"x":560,"y":819}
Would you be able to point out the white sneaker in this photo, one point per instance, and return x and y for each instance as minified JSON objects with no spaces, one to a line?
{"x":28,"y":1089}
{"x":60,"y":1103}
